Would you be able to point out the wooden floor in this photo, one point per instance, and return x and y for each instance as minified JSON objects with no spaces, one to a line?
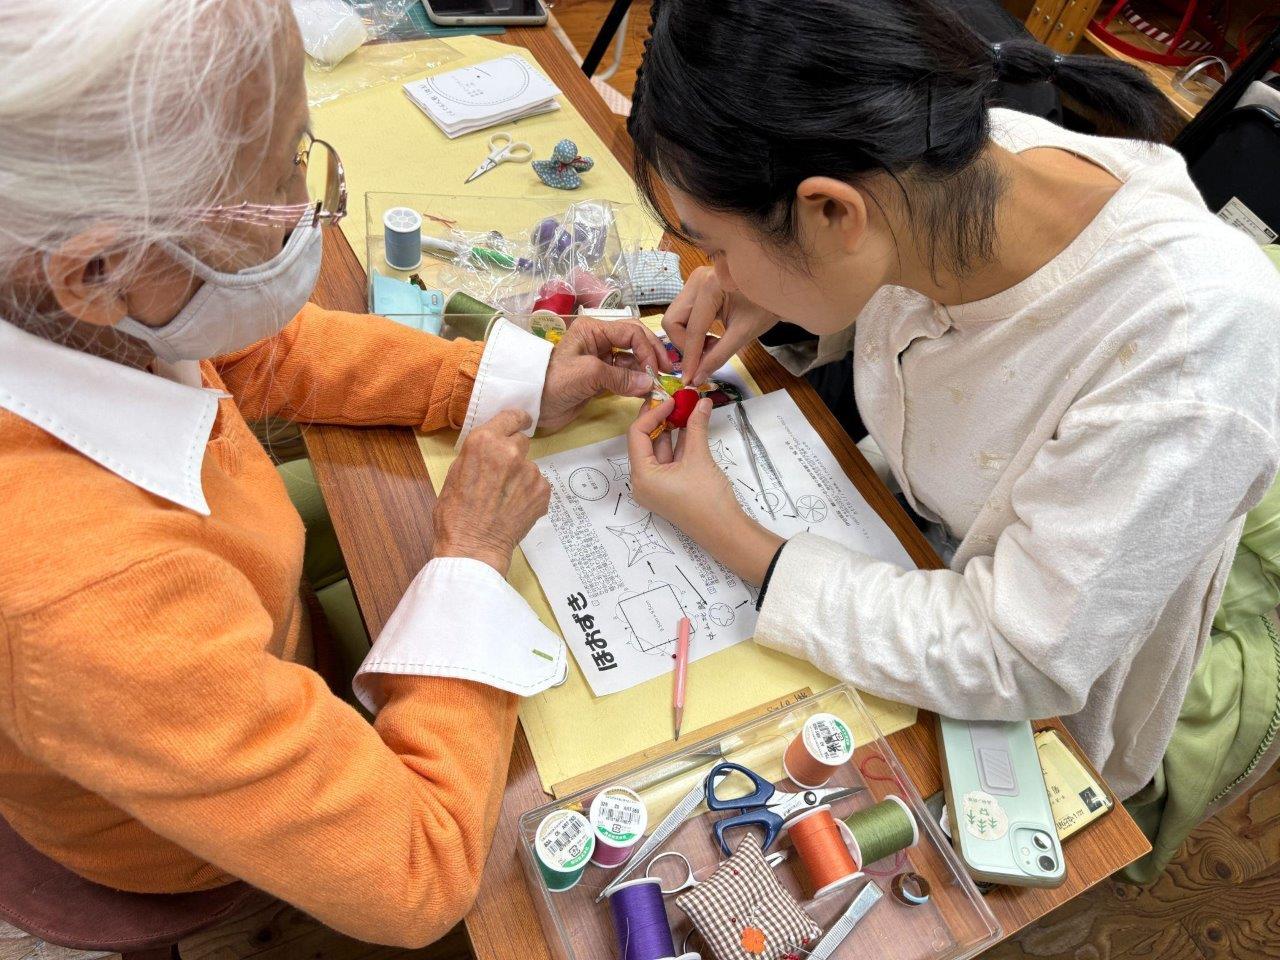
{"x":1220,"y":899}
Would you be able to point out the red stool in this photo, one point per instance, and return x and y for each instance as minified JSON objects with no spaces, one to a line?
{"x":45,"y":899}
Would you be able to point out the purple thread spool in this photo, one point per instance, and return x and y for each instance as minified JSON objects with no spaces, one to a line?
{"x":640,"y":921}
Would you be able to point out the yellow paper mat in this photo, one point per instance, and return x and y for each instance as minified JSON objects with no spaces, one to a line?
{"x":388,"y":145}
{"x":570,"y":731}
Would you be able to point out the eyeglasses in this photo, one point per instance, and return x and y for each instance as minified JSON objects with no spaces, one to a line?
{"x":326,"y":185}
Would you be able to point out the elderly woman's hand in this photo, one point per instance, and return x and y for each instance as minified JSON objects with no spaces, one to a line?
{"x":687,"y":488}
{"x":493,"y":494}
{"x":584,"y":365}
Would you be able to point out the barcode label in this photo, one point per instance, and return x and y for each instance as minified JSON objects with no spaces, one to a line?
{"x":828,"y":738}
{"x":565,"y":835}
{"x":620,"y":813}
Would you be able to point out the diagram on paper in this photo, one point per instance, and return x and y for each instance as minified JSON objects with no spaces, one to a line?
{"x":651,"y":618}
{"x":619,"y":577}
{"x":641,"y":539}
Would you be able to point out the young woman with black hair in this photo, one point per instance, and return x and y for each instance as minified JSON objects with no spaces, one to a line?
{"x":1064,"y":361}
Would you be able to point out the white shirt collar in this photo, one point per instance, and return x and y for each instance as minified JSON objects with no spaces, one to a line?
{"x":144,"y":427}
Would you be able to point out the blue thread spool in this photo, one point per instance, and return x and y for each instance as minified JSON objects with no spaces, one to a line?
{"x":640,"y":922}
{"x":402,"y":238}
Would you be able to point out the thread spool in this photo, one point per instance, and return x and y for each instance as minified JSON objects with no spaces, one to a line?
{"x":557,"y":296}
{"x":402,"y":238}
{"x":883,"y":829}
{"x":824,"y":849}
{"x":594,"y":293}
{"x":547,"y":325}
{"x":823,"y":745}
{"x":468,"y":316}
{"x":640,"y":922}
{"x":562,"y":846}
{"x":546,"y":232}
{"x":619,"y":819}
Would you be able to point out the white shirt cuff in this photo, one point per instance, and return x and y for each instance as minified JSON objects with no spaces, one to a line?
{"x":513,"y":369}
{"x":460,"y":619}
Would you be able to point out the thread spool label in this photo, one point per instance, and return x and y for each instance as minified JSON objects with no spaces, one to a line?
{"x":564,"y":841}
{"x":619,"y":816}
{"x":828,"y":739}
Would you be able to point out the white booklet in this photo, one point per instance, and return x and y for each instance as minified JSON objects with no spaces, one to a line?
{"x":484,"y":94}
{"x":619,"y":578}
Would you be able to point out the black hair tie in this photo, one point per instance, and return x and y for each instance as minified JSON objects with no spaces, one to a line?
{"x":1004,"y":70}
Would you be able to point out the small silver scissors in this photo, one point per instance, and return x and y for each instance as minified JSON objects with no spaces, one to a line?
{"x":689,"y":881}
{"x":503,"y":148}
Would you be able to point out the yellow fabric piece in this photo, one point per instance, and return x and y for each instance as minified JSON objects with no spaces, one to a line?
{"x":388,"y":145}
{"x":570,"y":731}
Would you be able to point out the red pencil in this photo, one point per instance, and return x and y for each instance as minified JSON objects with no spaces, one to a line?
{"x":682,"y":670}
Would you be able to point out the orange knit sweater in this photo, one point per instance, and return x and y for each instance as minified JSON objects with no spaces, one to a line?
{"x":156,"y":730}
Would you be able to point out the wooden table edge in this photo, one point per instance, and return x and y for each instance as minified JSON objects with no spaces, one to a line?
{"x":380,"y":497}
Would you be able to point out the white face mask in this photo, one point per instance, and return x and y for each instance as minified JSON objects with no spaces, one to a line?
{"x":233,"y":310}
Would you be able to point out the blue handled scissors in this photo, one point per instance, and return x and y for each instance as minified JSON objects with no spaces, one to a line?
{"x":768,"y":807}
{"x":503,"y":148}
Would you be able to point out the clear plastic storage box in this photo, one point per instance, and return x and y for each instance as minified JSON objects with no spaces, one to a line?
{"x":953,"y":924}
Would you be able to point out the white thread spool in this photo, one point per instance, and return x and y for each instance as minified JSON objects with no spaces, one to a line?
{"x":402,"y":238}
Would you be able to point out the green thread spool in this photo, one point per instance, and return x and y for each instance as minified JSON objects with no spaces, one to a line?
{"x":562,"y":846}
{"x":547,"y":325}
{"x":884,"y":829}
{"x":470,"y":317}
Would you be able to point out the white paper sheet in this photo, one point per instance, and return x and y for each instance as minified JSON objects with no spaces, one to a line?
{"x":620,"y":578}
{"x":483,"y":95}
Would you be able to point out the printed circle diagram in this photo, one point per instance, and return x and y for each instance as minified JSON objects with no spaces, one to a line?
{"x":489,"y":85}
{"x":588,"y":483}
{"x":721,"y":614}
{"x":811,"y":509}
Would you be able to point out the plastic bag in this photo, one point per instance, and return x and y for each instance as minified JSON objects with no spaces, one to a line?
{"x":373,"y":65}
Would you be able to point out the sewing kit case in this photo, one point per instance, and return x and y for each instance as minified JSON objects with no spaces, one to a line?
{"x":953,"y":924}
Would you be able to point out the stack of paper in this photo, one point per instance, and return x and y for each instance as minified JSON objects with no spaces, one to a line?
{"x":479,"y":96}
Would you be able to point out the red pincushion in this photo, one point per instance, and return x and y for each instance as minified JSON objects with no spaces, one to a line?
{"x":686,"y":399}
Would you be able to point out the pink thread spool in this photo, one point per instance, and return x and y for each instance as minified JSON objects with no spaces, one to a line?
{"x":557,"y":296}
{"x":619,"y":819}
{"x":594,"y":293}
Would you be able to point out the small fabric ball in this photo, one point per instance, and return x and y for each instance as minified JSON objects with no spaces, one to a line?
{"x":686,"y":399}
{"x":564,"y":151}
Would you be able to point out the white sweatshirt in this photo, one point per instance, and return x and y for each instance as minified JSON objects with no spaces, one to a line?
{"x":1094,"y":435}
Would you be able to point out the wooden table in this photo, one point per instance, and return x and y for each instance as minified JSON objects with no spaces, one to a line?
{"x":381,"y":500}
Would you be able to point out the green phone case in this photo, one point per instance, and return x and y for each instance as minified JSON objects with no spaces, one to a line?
{"x":1001,"y":822}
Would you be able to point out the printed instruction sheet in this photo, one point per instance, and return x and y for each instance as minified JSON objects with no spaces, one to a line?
{"x":620,"y":578}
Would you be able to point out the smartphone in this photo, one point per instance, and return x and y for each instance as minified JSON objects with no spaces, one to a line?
{"x":483,"y":13}
{"x":1002,"y":824}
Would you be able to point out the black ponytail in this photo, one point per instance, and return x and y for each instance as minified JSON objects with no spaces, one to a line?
{"x":1120,"y":95}
{"x":739,"y":101}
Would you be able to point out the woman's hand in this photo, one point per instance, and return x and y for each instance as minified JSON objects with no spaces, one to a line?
{"x":493,"y":494}
{"x":689,"y":318}
{"x":584,"y":365}
{"x":687,"y":488}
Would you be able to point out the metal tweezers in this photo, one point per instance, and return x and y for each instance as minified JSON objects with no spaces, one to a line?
{"x":757,"y":453}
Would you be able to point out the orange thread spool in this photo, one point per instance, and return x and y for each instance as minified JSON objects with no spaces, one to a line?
{"x":823,"y":745}
{"x":824,"y":850}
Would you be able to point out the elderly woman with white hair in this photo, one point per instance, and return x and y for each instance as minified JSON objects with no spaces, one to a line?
{"x":160,"y":730}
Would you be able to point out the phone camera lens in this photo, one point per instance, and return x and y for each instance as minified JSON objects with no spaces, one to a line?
{"x":1040,"y":841}
{"x":1047,"y":863}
